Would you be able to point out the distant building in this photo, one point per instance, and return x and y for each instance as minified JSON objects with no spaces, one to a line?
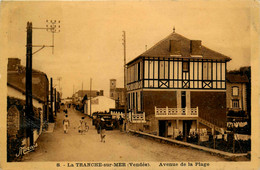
{"x":237,"y":95}
{"x":79,"y":95}
{"x":98,"y":104}
{"x":177,"y":87}
{"x":117,"y":94}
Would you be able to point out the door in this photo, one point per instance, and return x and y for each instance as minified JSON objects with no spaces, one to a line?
{"x":162,"y":128}
{"x":186,"y":128}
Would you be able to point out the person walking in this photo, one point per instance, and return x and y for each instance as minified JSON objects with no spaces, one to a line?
{"x":102,"y":130}
{"x":98,"y":124}
{"x":83,"y":127}
{"x":66,"y":123}
{"x":121,"y":121}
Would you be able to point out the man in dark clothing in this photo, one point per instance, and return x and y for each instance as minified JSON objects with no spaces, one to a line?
{"x":102,"y":130}
{"x":121,"y":121}
{"x":98,"y":124}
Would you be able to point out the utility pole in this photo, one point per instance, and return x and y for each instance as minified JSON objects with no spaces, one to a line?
{"x":51,"y":95}
{"x":29,"y":102}
{"x":125,"y":107}
{"x":90,"y":97}
{"x":59,"y":79}
{"x":82,"y":91}
{"x":55,"y":101}
{"x":47,"y":102}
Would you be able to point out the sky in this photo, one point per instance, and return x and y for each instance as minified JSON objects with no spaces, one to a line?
{"x":90,"y":42}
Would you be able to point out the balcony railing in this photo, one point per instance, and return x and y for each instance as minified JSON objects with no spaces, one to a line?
{"x":117,"y":114}
{"x":176,"y":112}
{"x":138,"y":117}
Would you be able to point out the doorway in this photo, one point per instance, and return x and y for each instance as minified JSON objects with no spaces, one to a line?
{"x":162,"y":128}
{"x":186,"y":128}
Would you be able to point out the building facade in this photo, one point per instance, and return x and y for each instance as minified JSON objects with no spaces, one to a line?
{"x":176,"y":87}
{"x":16,"y":75}
{"x":237,"y":96}
{"x":117,"y":94}
{"x":79,"y":95}
{"x":98,"y":104}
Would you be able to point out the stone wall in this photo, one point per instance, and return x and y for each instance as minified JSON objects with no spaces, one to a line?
{"x":13,"y":121}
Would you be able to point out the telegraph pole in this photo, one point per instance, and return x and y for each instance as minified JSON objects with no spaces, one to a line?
{"x":29,"y":102}
{"x":59,"y":79}
{"x":51,"y":95}
{"x":125,"y":107}
{"x":90,"y":97}
{"x":82,"y":91}
{"x":55,"y":101}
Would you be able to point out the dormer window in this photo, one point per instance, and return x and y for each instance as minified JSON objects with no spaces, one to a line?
{"x":195,"y":47}
{"x":175,"y":47}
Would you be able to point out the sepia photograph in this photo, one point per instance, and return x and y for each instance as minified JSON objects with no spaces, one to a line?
{"x":129,"y":84}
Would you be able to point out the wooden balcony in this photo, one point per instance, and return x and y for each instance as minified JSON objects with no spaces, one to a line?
{"x":176,"y":112}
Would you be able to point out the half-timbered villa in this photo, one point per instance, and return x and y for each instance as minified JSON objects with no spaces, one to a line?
{"x":176,"y":87}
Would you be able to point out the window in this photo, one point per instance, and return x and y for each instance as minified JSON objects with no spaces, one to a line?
{"x":163,"y":66}
{"x":235,"y":104}
{"x":235,"y":91}
{"x":207,"y":70}
{"x":161,"y":69}
{"x":139,"y":71}
{"x":185,"y":66}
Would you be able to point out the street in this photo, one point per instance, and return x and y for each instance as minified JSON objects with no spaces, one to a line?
{"x":119,"y":146}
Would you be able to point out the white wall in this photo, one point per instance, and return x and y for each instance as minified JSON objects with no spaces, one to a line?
{"x":100,"y":104}
{"x":11,"y":92}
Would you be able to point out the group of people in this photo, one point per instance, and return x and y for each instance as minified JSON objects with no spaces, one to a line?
{"x":82,"y":128}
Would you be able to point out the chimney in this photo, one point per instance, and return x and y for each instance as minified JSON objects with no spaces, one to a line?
{"x":195,"y":47}
{"x":13,"y":64}
{"x":175,"y":47}
{"x":101,"y":93}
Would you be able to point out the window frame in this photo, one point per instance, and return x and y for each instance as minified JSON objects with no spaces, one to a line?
{"x":233,"y":102}
{"x":233,"y":87}
{"x":188,"y":66}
